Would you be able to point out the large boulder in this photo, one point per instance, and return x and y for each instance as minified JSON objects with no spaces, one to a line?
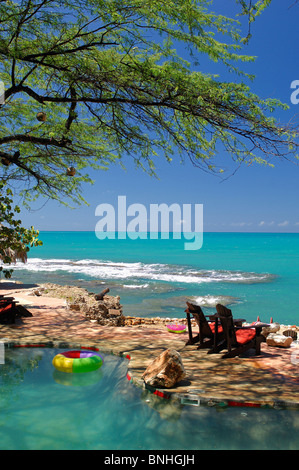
{"x":165,"y":371}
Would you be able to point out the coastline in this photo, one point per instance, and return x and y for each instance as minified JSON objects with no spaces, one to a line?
{"x":29,"y":295}
{"x":269,"y":380}
{"x":252,"y":283}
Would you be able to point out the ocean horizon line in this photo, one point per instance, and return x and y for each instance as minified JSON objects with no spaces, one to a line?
{"x":171,"y":232}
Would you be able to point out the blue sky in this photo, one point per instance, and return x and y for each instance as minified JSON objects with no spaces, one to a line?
{"x":256,"y":198}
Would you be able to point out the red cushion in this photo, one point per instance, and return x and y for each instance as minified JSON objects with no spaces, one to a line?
{"x":5,"y":309}
{"x":246,"y":335}
{"x":212,"y":326}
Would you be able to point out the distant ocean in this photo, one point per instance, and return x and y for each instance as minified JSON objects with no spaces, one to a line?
{"x":254,"y":274}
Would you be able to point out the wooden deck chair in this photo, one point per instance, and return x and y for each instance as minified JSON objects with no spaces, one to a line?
{"x":7,"y":300}
{"x":237,"y":339}
{"x":19,"y":310}
{"x":206,"y":327}
{"x":4,"y":298}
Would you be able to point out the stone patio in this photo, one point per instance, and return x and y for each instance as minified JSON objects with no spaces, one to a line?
{"x":269,"y":380}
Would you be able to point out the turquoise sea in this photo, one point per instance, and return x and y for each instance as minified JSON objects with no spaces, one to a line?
{"x":255,"y":274}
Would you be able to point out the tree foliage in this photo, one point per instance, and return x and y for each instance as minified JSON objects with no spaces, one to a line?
{"x":90,"y":82}
{"x":15,"y":240}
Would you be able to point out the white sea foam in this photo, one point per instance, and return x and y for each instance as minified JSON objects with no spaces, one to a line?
{"x":98,"y":269}
{"x":135,"y":286}
{"x":210,"y":301}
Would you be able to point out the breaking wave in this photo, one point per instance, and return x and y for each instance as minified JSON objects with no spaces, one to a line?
{"x":138,"y":274}
{"x":210,"y":301}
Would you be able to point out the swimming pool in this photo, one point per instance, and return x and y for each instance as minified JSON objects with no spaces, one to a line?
{"x":41,"y":409}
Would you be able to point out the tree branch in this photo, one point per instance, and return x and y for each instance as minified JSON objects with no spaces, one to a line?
{"x":63,"y":143}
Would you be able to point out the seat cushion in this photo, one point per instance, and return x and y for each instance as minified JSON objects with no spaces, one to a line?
{"x":6,"y":308}
{"x":245,"y":335}
{"x":212,"y":326}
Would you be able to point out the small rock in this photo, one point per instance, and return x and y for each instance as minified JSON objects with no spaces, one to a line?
{"x":279,"y":341}
{"x":270,"y":329}
{"x":75,"y":307}
{"x":37,"y":293}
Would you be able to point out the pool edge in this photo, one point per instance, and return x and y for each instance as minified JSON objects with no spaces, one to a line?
{"x":191,"y":399}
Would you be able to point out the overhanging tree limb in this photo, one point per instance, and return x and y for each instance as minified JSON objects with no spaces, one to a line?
{"x":111,"y":84}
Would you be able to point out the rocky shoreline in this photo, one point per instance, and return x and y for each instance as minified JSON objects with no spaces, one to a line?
{"x":108,"y":311}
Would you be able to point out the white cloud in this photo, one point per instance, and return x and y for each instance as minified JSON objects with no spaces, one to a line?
{"x":263,"y":223}
{"x":241,"y":224}
{"x":284,"y":224}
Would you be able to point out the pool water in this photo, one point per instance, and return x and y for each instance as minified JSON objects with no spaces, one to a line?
{"x":42,"y":409}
